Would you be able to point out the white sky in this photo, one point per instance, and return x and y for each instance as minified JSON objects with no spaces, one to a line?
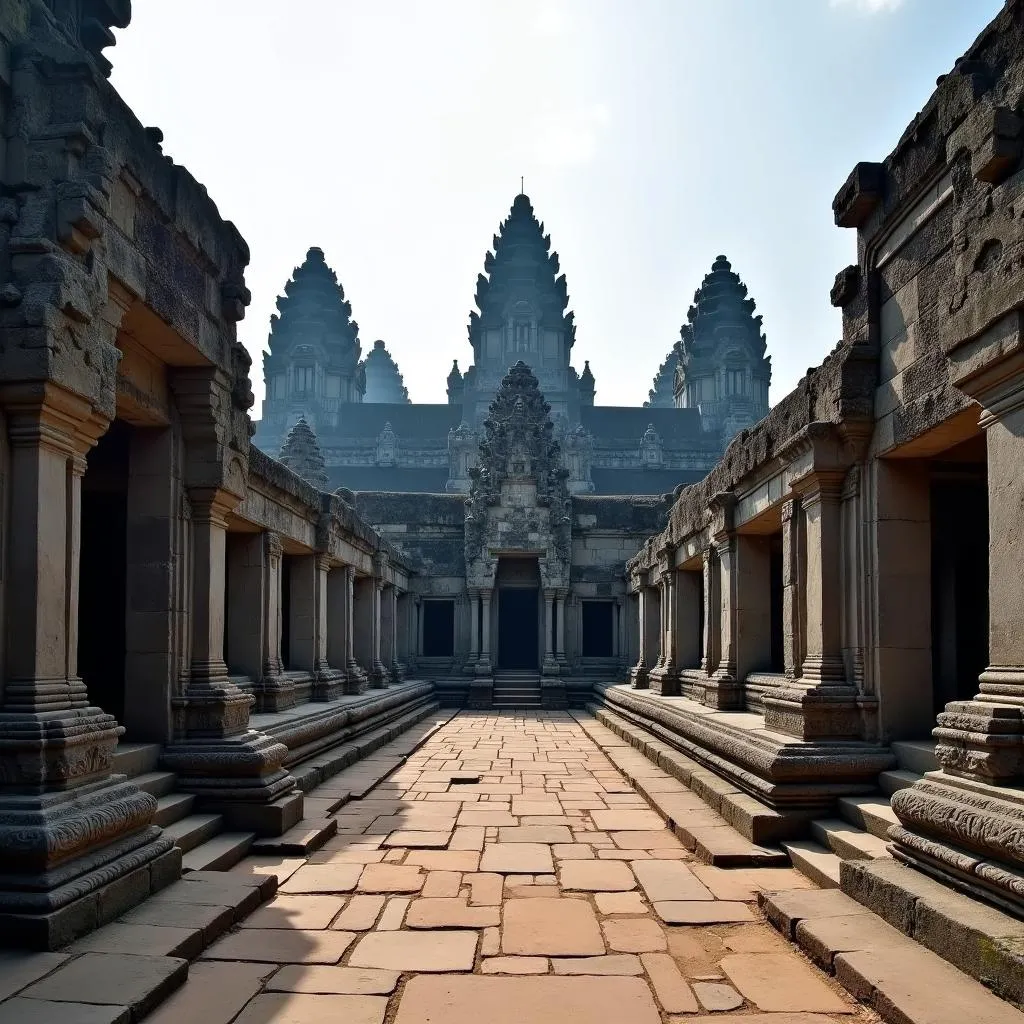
{"x":652,"y":134}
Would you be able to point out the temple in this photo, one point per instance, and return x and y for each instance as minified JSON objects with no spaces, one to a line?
{"x":374,"y":439}
{"x":772,"y":677}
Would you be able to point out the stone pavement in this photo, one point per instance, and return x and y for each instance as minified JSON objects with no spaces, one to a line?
{"x":504,"y":873}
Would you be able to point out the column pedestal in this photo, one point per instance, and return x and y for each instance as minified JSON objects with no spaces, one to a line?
{"x":639,"y":673}
{"x":723,"y":689}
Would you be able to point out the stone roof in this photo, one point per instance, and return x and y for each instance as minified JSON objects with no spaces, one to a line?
{"x":301,"y":454}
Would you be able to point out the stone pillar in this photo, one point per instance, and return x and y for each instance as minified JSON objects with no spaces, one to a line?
{"x":964,"y":823}
{"x":302,"y":612}
{"x":481,"y":689}
{"x":792,"y":624}
{"x":233,"y":770}
{"x":724,"y":690}
{"x":276,"y":691}
{"x":389,"y":634}
{"x":327,"y":680}
{"x":70,"y":832}
{"x":355,"y":676}
{"x":711,"y":612}
{"x":561,"y":603}
{"x":483,"y":666}
{"x":379,"y":675}
{"x":549,"y":666}
{"x":640,"y":672}
{"x":753,"y":605}
{"x":474,"y":630}
{"x":247,"y":583}
{"x":821,"y":704}
{"x":363,"y":608}
{"x":688,"y":611}
{"x":664,"y":677}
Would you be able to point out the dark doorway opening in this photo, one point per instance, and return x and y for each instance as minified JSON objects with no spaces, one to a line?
{"x":103,"y":570}
{"x":598,"y":629}
{"x":959,"y":563}
{"x":518,"y":646}
{"x":777,"y":654}
{"x":286,"y":612}
{"x":438,"y":629}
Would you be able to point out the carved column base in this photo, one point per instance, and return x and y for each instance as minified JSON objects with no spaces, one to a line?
{"x":724,"y":692}
{"x":379,"y":676}
{"x":356,"y":680}
{"x":966,"y":833}
{"x":549,"y":667}
{"x":639,"y":676}
{"x":482,"y":667}
{"x":397,"y":671}
{"x":812,"y":714}
{"x":276,"y":693}
{"x":469,"y":668}
{"x":982,"y":739}
{"x":328,"y":683}
{"x":664,"y":680}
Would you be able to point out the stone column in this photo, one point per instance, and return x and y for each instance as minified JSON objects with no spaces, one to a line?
{"x":820,"y":704}
{"x":327,"y":681}
{"x":474,"y":630}
{"x":724,"y":690}
{"x":687,"y":631}
{"x":302,"y":572}
{"x":62,"y":814}
{"x":664,"y":676}
{"x":550,"y":665}
{"x":363,"y":605}
{"x":355,"y":676}
{"x":711,"y":612}
{"x":389,"y":633}
{"x":232,"y":769}
{"x":483,"y":666}
{"x":276,"y":692}
{"x":792,"y":624}
{"x":561,"y":604}
{"x":640,"y":672}
{"x":964,"y":823}
{"x":379,"y":675}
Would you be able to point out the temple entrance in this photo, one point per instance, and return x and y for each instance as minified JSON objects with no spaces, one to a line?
{"x":103,"y":569}
{"x":959,"y":579}
{"x":518,"y":584}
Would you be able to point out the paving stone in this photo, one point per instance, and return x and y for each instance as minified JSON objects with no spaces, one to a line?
{"x":517,"y":858}
{"x":483,"y":815}
{"x":360,"y":913}
{"x":421,"y":840}
{"x":38,"y":1011}
{"x":669,"y":880}
{"x":490,"y":943}
{"x":780,"y":982}
{"x":823,"y":939}
{"x":612,"y":964}
{"x":759,"y":1018}
{"x":524,"y":806}
{"x":140,"y":982}
{"x":416,"y":951}
{"x":442,"y":883}
{"x":573,"y":851}
{"x":754,"y":938}
{"x":468,"y":838}
{"x":597,"y":876}
{"x":354,"y":981}
{"x":147,"y":939}
{"x":394,"y":914}
{"x":634,"y":934}
{"x":785,"y":909}
{"x":535,"y":834}
{"x":619,"y":903}
{"x":18,"y":969}
{"x":445,"y":860}
{"x":715,"y":996}
{"x":353,"y":856}
{"x":300,"y":1008}
{"x":485,"y":888}
{"x":286,"y":911}
{"x":553,"y":927}
{"x":281,"y":946}
{"x":670,"y":987}
{"x":515,"y":965}
{"x":450,"y":913}
{"x":702,"y":911}
{"x":211,"y":921}
{"x":627,"y":821}
{"x":470,"y":999}
{"x":648,"y":840}
{"x":391,"y":878}
{"x":323,"y":878}
{"x":213,"y":994}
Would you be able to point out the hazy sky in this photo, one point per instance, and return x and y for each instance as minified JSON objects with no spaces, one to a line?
{"x":652,"y":134}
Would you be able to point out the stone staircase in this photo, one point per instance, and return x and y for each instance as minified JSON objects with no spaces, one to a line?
{"x":516,"y":689}
{"x":204,"y":844}
{"x":862,"y":829}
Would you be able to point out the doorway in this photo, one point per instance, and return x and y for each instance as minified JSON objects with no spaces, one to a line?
{"x":518,"y":584}
{"x":103,"y":570}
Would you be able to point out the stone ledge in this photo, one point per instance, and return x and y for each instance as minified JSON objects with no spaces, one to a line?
{"x":878,"y":964}
{"x":980,"y":940}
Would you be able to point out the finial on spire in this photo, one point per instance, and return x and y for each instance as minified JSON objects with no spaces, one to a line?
{"x":522,"y":185}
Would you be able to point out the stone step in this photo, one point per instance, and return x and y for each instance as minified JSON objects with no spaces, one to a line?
{"x":156,"y":783}
{"x":133,"y":759}
{"x":847,"y":841}
{"x":173,"y":807}
{"x":813,"y":860}
{"x":895,"y":780}
{"x":191,"y":831}
{"x":916,"y":755}
{"x":871,"y":813}
{"x":218,"y":854}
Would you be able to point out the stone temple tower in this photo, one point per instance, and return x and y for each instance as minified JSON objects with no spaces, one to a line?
{"x":313,"y":365}
{"x":722,"y":367}
{"x":522,"y":301}
{"x":383,"y":380}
